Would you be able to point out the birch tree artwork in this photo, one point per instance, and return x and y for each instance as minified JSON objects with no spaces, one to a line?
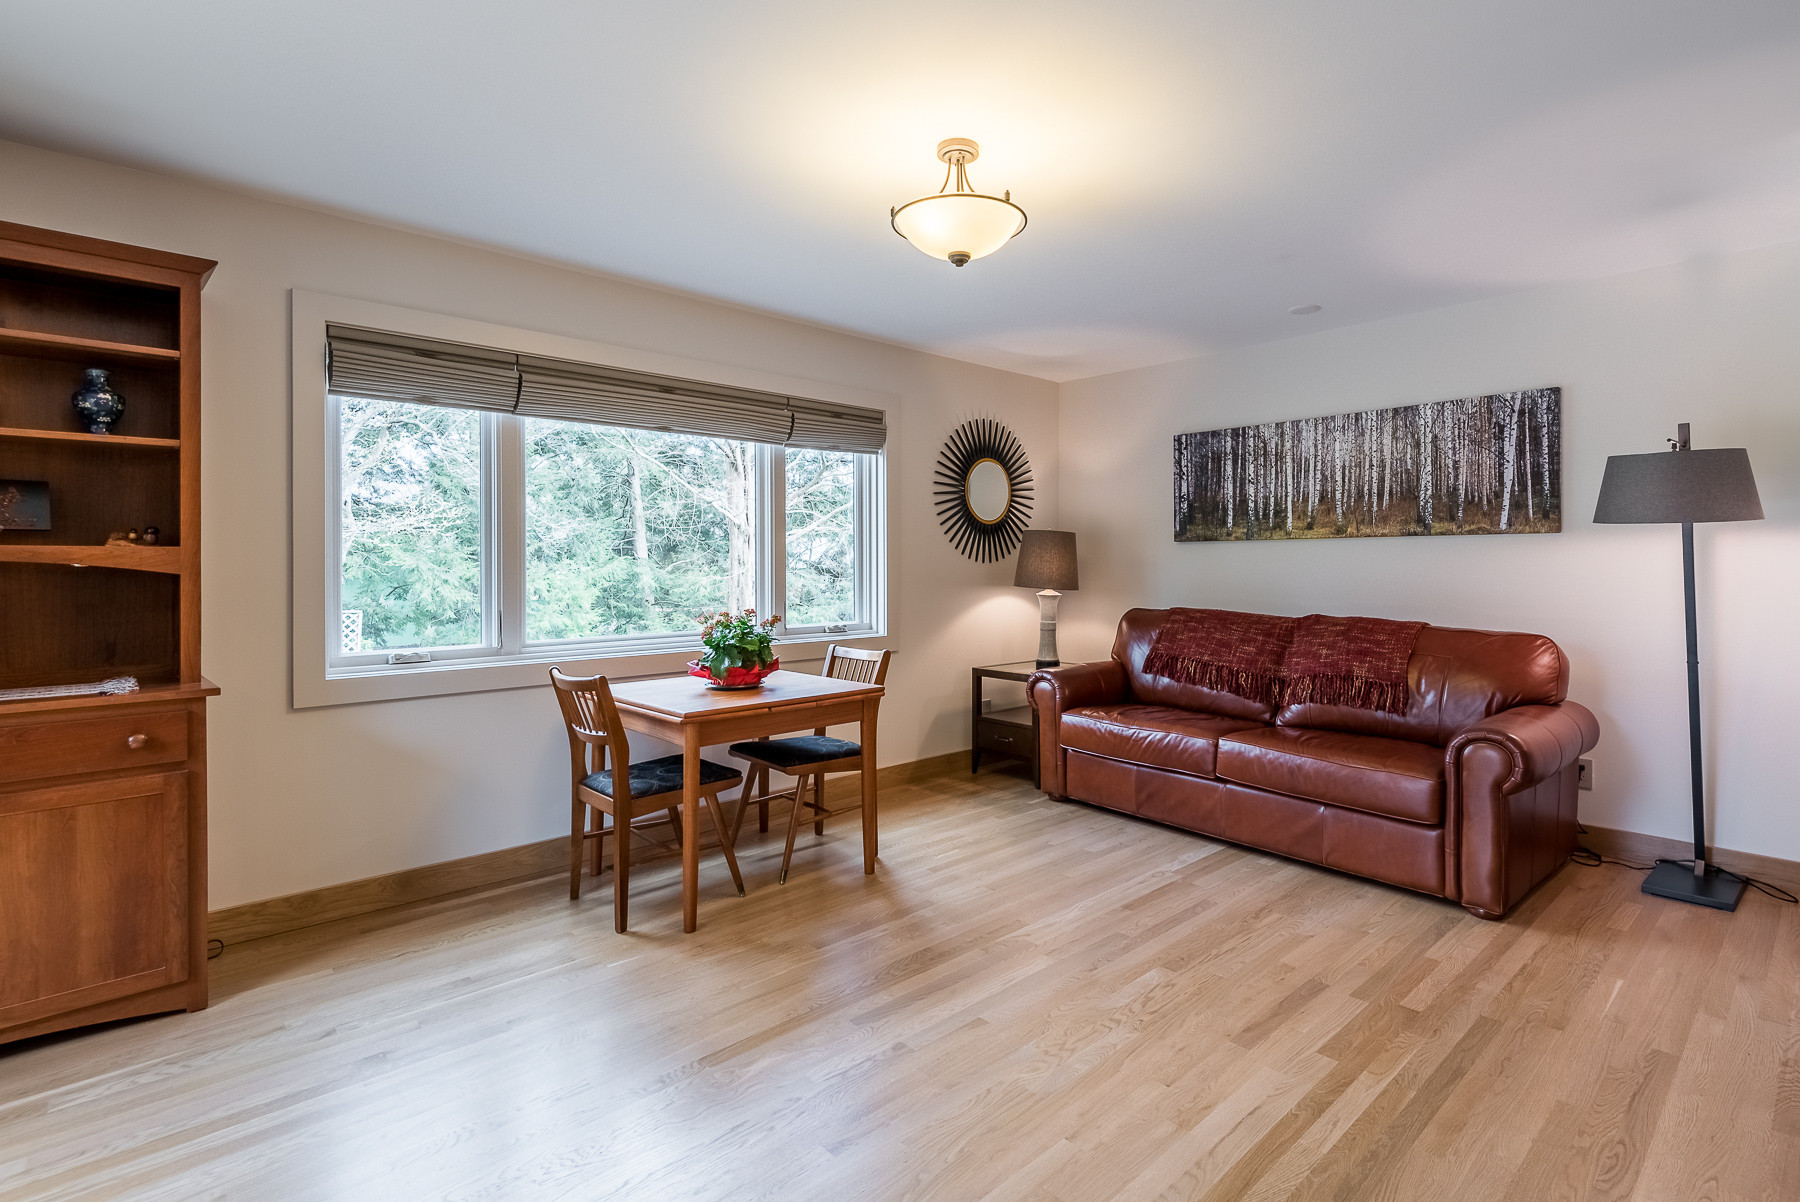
{"x":1479,"y":465}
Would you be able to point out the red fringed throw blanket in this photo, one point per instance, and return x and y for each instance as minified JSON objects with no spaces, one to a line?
{"x":1224,"y":650}
{"x":1357,"y":662}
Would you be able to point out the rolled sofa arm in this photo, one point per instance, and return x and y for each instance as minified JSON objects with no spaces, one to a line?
{"x":1512,"y":790}
{"x":1055,"y":690}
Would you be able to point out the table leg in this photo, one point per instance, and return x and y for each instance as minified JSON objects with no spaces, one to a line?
{"x":690,"y":827}
{"x":870,"y":817}
{"x":975,"y":723}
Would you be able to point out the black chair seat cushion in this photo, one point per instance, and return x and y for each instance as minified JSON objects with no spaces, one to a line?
{"x":663,"y":775}
{"x":784,"y":754}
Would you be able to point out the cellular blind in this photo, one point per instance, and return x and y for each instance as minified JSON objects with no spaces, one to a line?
{"x":392,"y":367}
{"x":395,"y":367}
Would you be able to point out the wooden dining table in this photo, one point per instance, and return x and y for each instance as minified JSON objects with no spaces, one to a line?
{"x":682,"y":710}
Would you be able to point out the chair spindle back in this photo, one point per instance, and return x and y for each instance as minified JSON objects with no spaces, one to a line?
{"x":592,"y":722}
{"x":850,"y":663}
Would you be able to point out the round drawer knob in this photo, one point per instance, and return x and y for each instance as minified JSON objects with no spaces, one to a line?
{"x":137,"y":742}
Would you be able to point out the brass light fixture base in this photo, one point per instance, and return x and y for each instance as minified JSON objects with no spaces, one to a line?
{"x":950,"y":148}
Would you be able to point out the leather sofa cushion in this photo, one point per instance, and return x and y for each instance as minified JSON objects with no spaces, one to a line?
{"x":1137,"y":634}
{"x":1455,"y":678}
{"x":1392,"y":777}
{"x":1158,"y":735}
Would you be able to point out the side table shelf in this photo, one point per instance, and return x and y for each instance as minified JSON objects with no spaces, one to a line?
{"x":1008,"y":732}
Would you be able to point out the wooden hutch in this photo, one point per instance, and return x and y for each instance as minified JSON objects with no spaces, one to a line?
{"x":102,"y":797}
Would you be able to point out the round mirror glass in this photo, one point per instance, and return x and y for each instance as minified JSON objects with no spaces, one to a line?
{"x":987,"y":491}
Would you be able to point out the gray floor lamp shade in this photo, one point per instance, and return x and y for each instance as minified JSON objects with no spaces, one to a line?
{"x":1047,"y":562}
{"x":1686,"y":486}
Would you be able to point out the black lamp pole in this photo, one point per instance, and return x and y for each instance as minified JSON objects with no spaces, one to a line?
{"x":1685,"y":486}
{"x":1693,"y":648}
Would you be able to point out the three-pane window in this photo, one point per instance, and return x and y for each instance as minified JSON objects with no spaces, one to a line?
{"x":469,"y":534}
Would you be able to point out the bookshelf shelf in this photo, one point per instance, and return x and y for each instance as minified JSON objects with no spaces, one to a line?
{"x":115,"y":440}
{"x":67,"y":346}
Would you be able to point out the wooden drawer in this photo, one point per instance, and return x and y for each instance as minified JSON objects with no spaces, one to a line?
{"x":1013,"y":740}
{"x":30,"y":751}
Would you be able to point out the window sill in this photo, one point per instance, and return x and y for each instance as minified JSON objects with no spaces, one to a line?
{"x":399,"y":682}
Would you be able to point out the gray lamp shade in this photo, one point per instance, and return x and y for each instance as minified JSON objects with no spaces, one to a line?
{"x":1679,"y":486}
{"x":1047,"y":560}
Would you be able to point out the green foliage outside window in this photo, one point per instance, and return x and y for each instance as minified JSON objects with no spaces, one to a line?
{"x":626,"y":531}
{"x":410,"y":489}
{"x":821,"y":537}
{"x":632,"y":531}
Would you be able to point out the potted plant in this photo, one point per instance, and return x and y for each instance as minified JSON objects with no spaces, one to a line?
{"x":737,"y":650}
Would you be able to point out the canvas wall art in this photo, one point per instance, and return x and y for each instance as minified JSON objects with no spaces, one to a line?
{"x":1479,"y":465}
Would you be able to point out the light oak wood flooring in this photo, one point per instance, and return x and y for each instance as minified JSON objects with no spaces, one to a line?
{"x":1031,"y":1000}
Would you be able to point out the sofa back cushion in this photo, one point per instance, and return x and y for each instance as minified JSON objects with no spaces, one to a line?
{"x":1455,"y":678}
{"x":1137,"y":634}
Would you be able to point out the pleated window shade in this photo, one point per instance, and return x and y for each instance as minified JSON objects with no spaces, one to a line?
{"x":395,"y":367}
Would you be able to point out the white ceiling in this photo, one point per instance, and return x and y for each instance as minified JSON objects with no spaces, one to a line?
{"x":1192,"y":168}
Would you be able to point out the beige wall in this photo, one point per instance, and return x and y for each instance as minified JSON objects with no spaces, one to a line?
{"x":1715,"y":342}
{"x":303,"y":799}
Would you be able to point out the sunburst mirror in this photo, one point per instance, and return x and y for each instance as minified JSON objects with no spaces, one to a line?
{"x":983,"y":490}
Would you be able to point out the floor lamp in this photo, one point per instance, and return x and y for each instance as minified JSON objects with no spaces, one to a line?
{"x":1687,"y":486}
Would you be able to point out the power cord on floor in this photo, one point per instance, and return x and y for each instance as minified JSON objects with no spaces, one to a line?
{"x":1587,"y":857}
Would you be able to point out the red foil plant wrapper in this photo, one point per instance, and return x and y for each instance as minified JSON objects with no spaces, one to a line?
{"x":737,"y":650}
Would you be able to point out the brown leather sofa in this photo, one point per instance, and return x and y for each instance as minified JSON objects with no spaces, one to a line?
{"x":1469,"y":795}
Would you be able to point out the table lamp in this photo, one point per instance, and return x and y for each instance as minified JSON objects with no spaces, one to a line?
{"x":1687,"y":486}
{"x":1047,"y":563}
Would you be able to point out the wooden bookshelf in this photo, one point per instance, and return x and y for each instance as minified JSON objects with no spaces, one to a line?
{"x":102,"y":797}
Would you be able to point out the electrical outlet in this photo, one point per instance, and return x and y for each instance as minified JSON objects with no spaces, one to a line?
{"x":1584,"y":774}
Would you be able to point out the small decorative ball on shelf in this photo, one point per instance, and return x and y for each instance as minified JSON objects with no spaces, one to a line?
{"x":97,"y":402}
{"x":151,"y":536}
{"x":738,"y":650}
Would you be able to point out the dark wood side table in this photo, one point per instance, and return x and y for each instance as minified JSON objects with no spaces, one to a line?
{"x":1010,"y":732}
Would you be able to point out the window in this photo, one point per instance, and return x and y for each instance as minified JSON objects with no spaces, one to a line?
{"x":410,"y":481}
{"x":631,"y":532}
{"x":822,"y":539}
{"x":471,"y":534}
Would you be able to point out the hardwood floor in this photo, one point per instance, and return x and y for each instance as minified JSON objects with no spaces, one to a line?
{"x":1031,"y":1000}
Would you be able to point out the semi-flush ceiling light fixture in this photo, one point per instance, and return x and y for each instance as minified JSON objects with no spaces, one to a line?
{"x":962,"y":224}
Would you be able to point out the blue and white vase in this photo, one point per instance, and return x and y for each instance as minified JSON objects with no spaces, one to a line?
{"x":98,"y":403}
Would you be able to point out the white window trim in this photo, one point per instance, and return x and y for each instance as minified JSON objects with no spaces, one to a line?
{"x":316,"y":527}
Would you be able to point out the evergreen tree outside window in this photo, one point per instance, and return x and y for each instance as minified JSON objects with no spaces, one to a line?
{"x":410,"y":483}
{"x":821,"y":538}
{"x":634,"y":532}
{"x":610,"y":541}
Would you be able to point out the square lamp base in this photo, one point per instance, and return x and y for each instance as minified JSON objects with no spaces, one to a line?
{"x":1677,"y":881}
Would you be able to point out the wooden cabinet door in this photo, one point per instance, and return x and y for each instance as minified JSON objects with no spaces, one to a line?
{"x":93,"y":893}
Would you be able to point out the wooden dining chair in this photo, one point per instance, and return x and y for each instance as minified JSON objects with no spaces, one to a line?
{"x":597,"y":748}
{"x":807,"y":758}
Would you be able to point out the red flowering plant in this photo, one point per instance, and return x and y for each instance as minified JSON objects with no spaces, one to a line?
{"x":736,"y":646}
